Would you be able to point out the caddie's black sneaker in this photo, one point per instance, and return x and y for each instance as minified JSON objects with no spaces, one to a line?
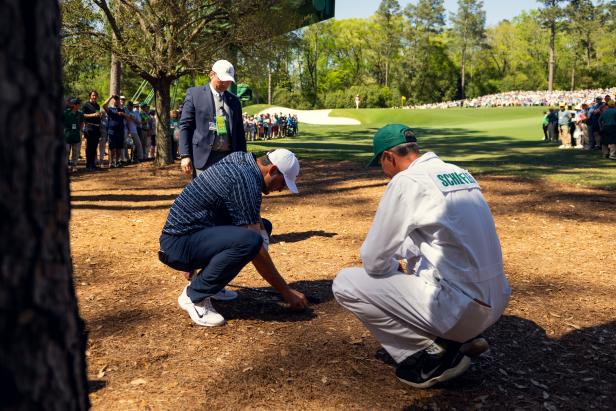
{"x":472,"y":348}
{"x":431,"y":366}
{"x":382,"y":355}
{"x":475,"y":347}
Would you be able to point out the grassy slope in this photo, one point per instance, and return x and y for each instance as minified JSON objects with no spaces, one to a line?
{"x":255,"y":108}
{"x":499,"y":141}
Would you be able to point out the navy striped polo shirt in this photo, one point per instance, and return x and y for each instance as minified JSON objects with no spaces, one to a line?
{"x":226,"y":193}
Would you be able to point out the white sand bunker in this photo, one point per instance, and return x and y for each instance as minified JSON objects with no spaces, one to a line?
{"x":312,"y":116}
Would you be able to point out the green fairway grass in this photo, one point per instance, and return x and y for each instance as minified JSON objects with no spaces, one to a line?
{"x":495,"y":141}
{"x":255,"y":108}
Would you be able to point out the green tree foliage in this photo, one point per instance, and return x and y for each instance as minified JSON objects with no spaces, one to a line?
{"x":410,"y":52}
{"x":468,"y":34}
{"x":162,"y":41}
{"x":388,"y":28}
{"x":551,"y":16}
{"x":430,"y":73}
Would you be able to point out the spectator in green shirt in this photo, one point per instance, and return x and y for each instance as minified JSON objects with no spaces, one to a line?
{"x":72,"y":118}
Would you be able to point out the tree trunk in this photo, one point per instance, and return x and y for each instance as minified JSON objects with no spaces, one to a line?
{"x":573,"y":75}
{"x":588,"y":50}
{"x":164,"y":153}
{"x":462,"y":74}
{"x":269,"y":84}
{"x":115,"y":76}
{"x":551,"y":63}
{"x":316,"y":68}
{"x":42,"y":338}
{"x":386,"y":73}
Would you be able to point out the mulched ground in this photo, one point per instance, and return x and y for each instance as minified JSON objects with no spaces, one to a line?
{"x":555,"y":347}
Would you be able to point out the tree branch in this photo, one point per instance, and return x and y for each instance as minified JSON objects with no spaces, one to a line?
{"x":102,"y":4}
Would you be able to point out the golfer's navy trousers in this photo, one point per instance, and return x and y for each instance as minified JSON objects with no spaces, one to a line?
{"x":219,"y":252}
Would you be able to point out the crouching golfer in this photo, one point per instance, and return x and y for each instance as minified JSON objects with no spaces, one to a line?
{"x":214,"y":225}
{"x":434,"y":215}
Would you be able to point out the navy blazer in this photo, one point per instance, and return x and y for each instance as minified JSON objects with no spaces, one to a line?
{"x":196,"y":138}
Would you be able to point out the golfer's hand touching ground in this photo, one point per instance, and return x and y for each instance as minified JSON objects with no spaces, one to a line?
{"x":295,"y":299}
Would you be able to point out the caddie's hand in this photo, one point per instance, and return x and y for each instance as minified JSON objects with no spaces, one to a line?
{"x":186,"y":165}
{"x":296,"y":300}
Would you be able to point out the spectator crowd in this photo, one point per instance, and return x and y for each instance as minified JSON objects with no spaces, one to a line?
{"x":123,"y":131}
{"x":584,"y":126}
{"x":523,"y":99}
{"x":269,"y":126}
{"x":584,"y":119}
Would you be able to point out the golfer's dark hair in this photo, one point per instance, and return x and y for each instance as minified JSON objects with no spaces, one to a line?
{"x":264,"y":160}
{"x":93,"y":91}
{"x":408,"y":147}
{"x":404,"y":149}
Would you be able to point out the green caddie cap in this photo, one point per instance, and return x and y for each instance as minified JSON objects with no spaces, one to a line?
{"x":390,"y":136}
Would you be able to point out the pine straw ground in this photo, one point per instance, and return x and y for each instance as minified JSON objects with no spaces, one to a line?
{"x":554,"y":348}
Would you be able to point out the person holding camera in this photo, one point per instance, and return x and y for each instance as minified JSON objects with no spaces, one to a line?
{"x":116,"y":116}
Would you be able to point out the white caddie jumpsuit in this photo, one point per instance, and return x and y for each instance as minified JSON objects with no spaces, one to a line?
{"x":434,"y":215}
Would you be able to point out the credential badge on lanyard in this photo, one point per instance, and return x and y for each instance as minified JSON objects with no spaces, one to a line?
{"x":221,"y":126}
{"x":448,"y":181}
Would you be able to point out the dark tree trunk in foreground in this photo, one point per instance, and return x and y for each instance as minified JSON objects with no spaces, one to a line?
{"x":42,"y":340}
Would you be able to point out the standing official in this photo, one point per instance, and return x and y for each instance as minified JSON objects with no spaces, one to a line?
{"x":433,"y":214}
{"x":215,"y":226}
{"x":211,"y":125}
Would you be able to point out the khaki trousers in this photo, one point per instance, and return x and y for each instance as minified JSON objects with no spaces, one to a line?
{"x":565,"y":136}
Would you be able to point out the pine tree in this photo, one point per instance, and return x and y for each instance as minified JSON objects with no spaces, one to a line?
{"x":551,"y":15}
{"x":42,"y":338}
{"x":388,"y":19}
{"x":469,"y":32}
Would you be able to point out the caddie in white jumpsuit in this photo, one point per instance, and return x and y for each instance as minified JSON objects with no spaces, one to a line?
{"x":434,"y":216}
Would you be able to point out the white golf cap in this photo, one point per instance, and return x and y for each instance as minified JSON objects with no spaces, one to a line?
{"x":224,"y":70}
{"x":288,"y":165}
